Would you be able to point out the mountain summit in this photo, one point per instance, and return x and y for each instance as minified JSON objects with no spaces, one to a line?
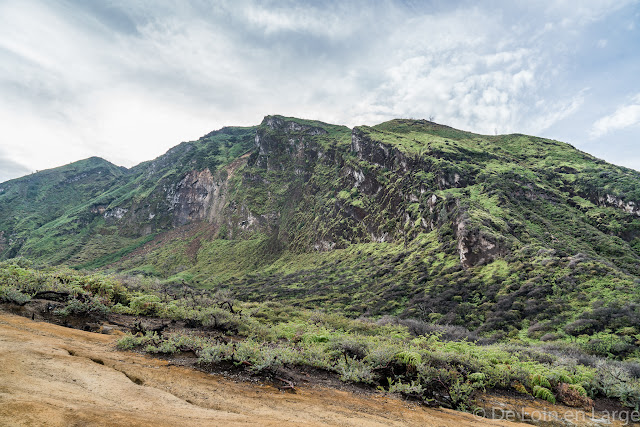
{"x":407,"y":217}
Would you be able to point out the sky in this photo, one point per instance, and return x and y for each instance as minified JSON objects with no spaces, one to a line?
{"x":126,"y":80}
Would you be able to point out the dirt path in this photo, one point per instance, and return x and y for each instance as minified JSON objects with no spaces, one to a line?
{"x":55,"y":376}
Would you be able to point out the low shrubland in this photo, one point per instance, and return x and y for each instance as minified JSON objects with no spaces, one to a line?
{"x":434,"y":364}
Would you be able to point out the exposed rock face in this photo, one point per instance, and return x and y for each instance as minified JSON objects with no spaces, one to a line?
{"x":290,"y":149}
{"x":378,"y":153}
{"x":611,"y":200}
{"x":475,"y":248}
{"x":98,"y":209}
{"x":115,"y":213}
{"x":189,"y":199}
{"x":270,"y":148}
{"x":391,"y":158}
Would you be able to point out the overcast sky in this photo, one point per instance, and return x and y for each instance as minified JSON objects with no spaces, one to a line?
{"x":126,"y":80}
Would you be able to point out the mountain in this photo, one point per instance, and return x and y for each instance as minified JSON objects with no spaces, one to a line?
{"x":407,"y":217}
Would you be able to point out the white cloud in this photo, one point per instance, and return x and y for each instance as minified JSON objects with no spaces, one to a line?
{"x":130,"y":84}
{"x":625,"y":116}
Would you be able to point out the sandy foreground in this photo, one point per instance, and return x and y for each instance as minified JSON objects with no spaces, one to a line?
{"x":56,"y":376}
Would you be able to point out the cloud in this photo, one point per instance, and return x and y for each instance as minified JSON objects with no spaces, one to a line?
{"x":625,"y":116}
{"x":10,"y":169}
{"x":128,"y":80}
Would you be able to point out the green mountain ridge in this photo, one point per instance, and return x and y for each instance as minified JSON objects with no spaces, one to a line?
{"x":407,"y":217}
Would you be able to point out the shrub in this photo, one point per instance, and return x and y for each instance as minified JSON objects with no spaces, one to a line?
{"x":215,"y":354}
{"x":414,"y":389}
{"x":543,"y":393}
{"x":14,"y":296}
{"x":222,"y":320}
{"x":613,"y":380}
{"x":539,"y":380}
{"x":145,"y":305}
{"x":549,"y":337}
{"x":130,"y":341}
{"x":477,"y":377}
{"x":354,"y":370}
{"x":581,"y":326}
{"x":349,"y":346}
{"x":165,"y":347}
{"x":381,"y":354}
{"x":410,"y":359}
{"x":460,"y":392}
{"x":90,"y":306}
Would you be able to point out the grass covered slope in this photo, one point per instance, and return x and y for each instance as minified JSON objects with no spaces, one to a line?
{"x":45,"y":198}
{"x":91,"y":212}
{"x":508,"y":234}
{"x":501,"y":233}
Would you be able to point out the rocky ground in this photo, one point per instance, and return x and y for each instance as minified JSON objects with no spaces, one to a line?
{"x":56,"y":376}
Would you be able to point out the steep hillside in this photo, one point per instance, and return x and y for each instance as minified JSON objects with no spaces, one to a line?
{"x":92,"y":211}
{"x":407,"y":217}
{"x":43,"y":199}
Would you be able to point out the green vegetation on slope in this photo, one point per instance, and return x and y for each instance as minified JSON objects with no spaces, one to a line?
{"x":34,"y":201}
{"x":93,"y":209}
{"x":509,"y":235}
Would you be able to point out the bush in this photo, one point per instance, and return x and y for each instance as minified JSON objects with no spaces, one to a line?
{"x":539,"y":380}
{"x":14,"y":296}
{"x":543,"y":393}
{"x":410,"y":359}
{"x":145,"y":305}
{"x":350,"y":346}
{"x":215,"y":354}
{"x":353,"y":370}
{"x":414,"y":389}
{"x":130,"y":341}
{"x":90,"y":306}
{"x":612,"y":380}
{"x":460,"y":392}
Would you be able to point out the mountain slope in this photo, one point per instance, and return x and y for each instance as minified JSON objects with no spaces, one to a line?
{"x":43,"y":198}
{"x":406,"y":217}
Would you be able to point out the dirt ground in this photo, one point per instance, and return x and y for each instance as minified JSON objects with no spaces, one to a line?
{"x":56,"y":376}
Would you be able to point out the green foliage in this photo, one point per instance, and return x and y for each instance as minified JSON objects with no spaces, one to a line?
{"x":614,"y":381}
{"x":539,"y":380}
{"x":145,"y":305}
{"x":353,"y":370}
{"x":461,"y":392}
{"x":171,"y":344}
{"x":579,"y":389}
{"x":410,"y":359}
{"x":543,"y":393}
{"x":412,"y":389}
{"x":89,"y":306}
{"x":13,"y":295}
{"x":106,"y":259}
{"x":130,"y":341}
{"x":477,"y":377}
